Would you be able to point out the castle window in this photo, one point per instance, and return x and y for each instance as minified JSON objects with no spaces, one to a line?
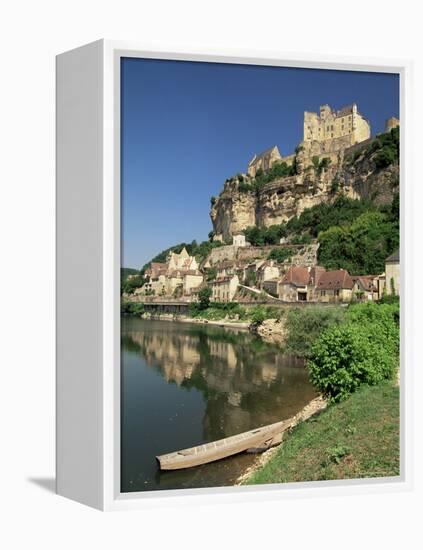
{"x":327,"y":129}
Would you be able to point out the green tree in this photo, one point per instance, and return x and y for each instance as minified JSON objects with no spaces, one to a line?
{"x":204,"y":297}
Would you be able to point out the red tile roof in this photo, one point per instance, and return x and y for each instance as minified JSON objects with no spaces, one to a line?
{"x":335,"y":280}
{"x":297,"y":276}
{"x":365,"y":281}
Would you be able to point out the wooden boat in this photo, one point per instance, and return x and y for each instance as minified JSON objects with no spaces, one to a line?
{"x":254,"y":441}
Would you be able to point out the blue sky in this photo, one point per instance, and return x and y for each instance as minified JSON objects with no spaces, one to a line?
{"x":187,"y":126}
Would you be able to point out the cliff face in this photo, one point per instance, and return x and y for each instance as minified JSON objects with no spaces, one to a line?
{"x":356,"y":175}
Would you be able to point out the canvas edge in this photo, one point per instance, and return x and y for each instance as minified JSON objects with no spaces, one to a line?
{"x":112,"y":499}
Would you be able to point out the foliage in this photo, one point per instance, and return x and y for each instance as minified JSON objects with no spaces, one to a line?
{"x":334,"y":187}
{"x":281,"y":254}
{"x":325,"y":215}
{"x":362,"y":350}
{"x":258,"y":314}
{"x":125,"y":272}
{"x":386,"y":147}
{"x":303,"y":238}
{"x":251,"y":278}
{"x":211,"y":274}
{"x":204,"y":297}
{"x":128,"y":286}
{"x":218,"y":310}
{"x":304,"y":325}
{"x":279,"y":170}
{"x":320,"y":165}
{"x":131,"y":309}
{"x":360,"y":247}
{"x":261,"y":236}
{"x":341,"y":442}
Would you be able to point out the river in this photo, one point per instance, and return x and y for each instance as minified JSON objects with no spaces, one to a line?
{"x":185,"y":384}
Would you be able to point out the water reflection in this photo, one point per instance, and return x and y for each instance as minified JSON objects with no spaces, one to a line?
{"x":210,"y":383}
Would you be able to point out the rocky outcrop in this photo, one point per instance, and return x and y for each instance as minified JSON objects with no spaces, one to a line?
{"x":241,"y":204}
{"x":272,"y":331}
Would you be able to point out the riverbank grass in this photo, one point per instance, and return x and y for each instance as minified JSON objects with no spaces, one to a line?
{"x":357,"y":438}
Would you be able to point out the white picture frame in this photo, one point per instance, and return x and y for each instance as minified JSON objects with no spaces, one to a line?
{"x":88,"y":279}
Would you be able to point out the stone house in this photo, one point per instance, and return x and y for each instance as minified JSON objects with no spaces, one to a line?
{"x":267,"y":270}
{"x":334,"y":286}
{"x":224,"y":288}
{"x":299,"y":283}
{"x":178,"y":274}
{"x":389,"y":282}
{"x":365,"y":287}
{"x":264,"y":161}
{"x":294,"y":284}
{"x":182,"y":261}
{"x":239,"y":240}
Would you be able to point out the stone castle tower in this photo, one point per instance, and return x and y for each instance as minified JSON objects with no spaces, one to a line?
{"x":345,"y":127}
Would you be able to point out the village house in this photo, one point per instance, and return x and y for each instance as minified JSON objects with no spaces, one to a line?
{"x":294,"y":284}
{"x":266,"y":271}
{"x":389,"y":282}
{"x":179,"y":274}
{"x":298,"y":284}
{"x":334,"y":286}
{"x":365,"y":287}
{"x":224,"y":288}
{"x":392,"y":274}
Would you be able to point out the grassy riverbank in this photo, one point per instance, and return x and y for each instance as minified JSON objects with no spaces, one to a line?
{"x":356,"y":438}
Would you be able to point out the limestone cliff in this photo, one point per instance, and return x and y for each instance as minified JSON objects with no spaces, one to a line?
{"x":352,"y":171}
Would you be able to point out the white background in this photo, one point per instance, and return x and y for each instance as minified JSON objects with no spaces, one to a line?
{"x":31,"y":34}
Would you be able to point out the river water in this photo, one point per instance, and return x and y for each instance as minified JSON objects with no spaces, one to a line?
{"x":186,"y":384}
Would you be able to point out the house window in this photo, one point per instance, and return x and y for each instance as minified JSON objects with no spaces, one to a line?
{"x":337,"y":292}
{"x":323,"y":293}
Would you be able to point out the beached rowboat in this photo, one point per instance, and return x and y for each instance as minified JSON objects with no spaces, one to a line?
{"x":254,"y":440}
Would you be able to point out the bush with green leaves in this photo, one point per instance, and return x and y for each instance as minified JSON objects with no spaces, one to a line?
{"x":132,"y":309}
{"x":362,"y":350}
{"x":204,"y":297}
{"x":361,"y":246}
{"x":261,"y":236}
{"x":280,"y":255}
{"x":304,"y":326}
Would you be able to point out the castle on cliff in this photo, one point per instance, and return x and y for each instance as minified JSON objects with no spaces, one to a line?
{"x":345,"y":127}
{"x":325,"y":132}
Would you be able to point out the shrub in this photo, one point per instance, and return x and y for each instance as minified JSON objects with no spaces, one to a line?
{"x":304,"y":325}
{"x":281,"y":254}
{"x":363,"y":350}
{"x":204,"y":297}
{"x":258,"y":315}
{"x":132,"y":309}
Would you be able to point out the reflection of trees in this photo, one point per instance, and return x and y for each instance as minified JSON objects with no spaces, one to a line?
{"x":244,"y":380}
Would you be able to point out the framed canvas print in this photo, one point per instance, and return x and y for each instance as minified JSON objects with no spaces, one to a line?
{"x":231,"y":243}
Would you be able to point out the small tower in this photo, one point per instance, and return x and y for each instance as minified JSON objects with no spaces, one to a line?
{"x":391,"y":123}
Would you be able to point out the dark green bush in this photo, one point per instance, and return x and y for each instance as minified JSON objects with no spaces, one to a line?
{"x":132,"y":309}
{"x":281,"y":254}
{"x":362,"y":350}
